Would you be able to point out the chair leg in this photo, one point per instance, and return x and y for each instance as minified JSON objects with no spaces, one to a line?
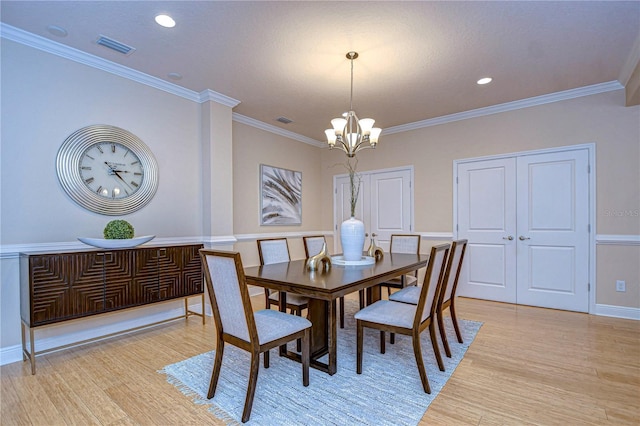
{"x":443,"y":335}
{"x":217,"y":364}
{"x":298,"y":342}
{"x":382,"y":342}
{"x":434,"y":343}
{"x":417,"y":351}
{"x":251,"y":388}
{"x":342,"y":312}
{"x":267,"y":302}
{"x":266,"y":359}
{"x":359,"y":338}
{"x":392,"y":338}
{"x":454,"y":318}
{"x":306,"y":356}
{"x":361,"y":298}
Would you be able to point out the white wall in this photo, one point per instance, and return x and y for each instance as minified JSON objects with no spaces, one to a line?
{"x":44,"y":99}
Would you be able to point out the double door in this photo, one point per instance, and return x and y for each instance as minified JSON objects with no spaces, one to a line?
{"x":527,"y":221}
{"x":385,"y":204}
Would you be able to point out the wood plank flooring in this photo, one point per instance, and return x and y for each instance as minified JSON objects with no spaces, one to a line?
{"x":526,"y":366}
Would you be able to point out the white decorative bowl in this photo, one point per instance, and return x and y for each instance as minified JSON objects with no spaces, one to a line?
{"x":125,"y":243}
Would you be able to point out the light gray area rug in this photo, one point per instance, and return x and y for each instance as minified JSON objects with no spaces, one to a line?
{"x":388,"y":392}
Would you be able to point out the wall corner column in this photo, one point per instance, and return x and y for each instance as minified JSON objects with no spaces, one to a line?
{"x":216,"y":122}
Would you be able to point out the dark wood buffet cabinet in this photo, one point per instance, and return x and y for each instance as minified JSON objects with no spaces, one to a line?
{"x":61,"y":286}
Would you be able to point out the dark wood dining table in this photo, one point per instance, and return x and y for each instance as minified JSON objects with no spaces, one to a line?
{"x":323,"y":288}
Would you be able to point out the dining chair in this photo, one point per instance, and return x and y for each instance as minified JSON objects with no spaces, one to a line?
{"x":403,"y":243}
{"x":408,"y":319}
{"x":238,"y":325}
{"x":447,"y":293}
{"x":276,"y":250}
{"x":312,"y":246}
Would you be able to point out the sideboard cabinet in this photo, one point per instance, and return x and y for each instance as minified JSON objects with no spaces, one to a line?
{"x":62,"y":286}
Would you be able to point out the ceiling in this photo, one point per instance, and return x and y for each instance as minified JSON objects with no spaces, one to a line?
{"x":418,"y":60}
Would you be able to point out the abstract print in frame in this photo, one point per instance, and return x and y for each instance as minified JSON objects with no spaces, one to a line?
{"x":281,"y":196}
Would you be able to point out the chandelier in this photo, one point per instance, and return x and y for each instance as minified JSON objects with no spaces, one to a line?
{"x":350,"y":133}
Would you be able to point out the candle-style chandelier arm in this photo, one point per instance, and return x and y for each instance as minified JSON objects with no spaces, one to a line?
{"x":350,"y":133}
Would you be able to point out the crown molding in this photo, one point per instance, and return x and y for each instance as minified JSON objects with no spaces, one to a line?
{"x":509,"y":106}
{"x":633,"y":60}
{"x":210,"y":95}
{"x":41,"y":43}
{"x":20,"y":36}
{"x":273,"y":129}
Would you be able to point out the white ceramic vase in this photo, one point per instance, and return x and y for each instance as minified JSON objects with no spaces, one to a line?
{"x":352,"y":239}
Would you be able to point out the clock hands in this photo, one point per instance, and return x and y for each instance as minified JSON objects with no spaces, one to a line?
{"x":113,"y":171}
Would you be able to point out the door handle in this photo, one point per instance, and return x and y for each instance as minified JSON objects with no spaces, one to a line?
{"x":510,"y":238}
{"x":522,"y":238}
{"x":373,"y":234}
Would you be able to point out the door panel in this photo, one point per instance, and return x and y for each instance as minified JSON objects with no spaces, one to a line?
{"x":486,"y":217}
{"x":553,"y":220}
{"x":390,"y":205}
{"x":384,"y":205}
{"x":542,"y":202}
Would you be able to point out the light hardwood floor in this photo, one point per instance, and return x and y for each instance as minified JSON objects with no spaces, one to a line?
{"x":526,"y":366}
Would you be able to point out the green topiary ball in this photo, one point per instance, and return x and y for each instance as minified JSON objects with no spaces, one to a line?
{"x":118,"y":230}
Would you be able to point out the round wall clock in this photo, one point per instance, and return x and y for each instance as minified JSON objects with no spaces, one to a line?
{"x":107,"y":170}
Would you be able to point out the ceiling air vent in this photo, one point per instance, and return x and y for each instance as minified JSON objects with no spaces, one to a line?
{"x":284,"y":120}
{"x":115,"y":45}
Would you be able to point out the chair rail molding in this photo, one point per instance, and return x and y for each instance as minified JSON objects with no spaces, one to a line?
{"x":9,"y":251}
{"x":618,"y":240}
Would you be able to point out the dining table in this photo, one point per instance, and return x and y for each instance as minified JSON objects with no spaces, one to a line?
{"x":323,"y":287}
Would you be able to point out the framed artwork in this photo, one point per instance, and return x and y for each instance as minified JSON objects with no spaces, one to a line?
{"x":280,"y":196}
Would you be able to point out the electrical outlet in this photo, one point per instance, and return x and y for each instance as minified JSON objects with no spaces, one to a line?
{"x":620,"y":285}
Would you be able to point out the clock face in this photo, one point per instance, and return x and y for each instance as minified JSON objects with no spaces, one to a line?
{"x":107,"y":170}
{"x":111,"y":170}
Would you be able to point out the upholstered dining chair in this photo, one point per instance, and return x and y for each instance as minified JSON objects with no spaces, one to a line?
{"x":403,"y":243}
{"x":238,"y":325}
{"x":276,"y":250}
{"x":408,"y":319}
{"x":312,"y":246}
{"x":447,"y":293}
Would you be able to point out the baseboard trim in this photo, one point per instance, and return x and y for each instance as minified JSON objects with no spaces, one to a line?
{"x":617,"y":311}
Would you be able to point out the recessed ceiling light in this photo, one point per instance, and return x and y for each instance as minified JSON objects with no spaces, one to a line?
{"x":166,"y":21}
{"x":57,"y":31}
{"x":485,"y":80}
{"x":174,"y":76}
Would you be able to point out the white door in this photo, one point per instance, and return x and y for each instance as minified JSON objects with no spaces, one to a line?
{"x":385,"y":204}
{"x":527,"y":221}
{"x":486,"y":217}
{"x":553,"y":230}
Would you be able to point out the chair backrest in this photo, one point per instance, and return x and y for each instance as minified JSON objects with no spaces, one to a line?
{"x":430,"y":292}
{"x":452,"y":272}
{"x":230,"y":301}
{"x":273,"y":250}
{"x":405,"y":243}
{"x":313,"y":245}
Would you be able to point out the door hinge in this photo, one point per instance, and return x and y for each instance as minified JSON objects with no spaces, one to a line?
{"x":588,"y":168}
{"x":456,"y":180}
{"x":456,"y":227}
{"x":589,"y":228}
{"x":588,"y":286}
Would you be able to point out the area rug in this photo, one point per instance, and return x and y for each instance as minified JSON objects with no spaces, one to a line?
{"x":388,"y":392}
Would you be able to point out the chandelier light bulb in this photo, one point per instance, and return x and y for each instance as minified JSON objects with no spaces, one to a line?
{"x":350,"y":133}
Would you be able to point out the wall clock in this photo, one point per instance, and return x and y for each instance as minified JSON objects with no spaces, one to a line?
{"x":107,"y":170}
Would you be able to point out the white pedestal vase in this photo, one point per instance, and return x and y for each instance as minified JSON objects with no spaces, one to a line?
{"x":352,"y":239}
